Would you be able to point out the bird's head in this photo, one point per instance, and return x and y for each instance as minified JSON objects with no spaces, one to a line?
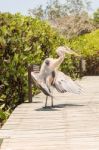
{"x":63,"y":50}
{"x":47,"y":62}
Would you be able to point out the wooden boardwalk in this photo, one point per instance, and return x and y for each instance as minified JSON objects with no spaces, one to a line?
{"x":73,"y":124}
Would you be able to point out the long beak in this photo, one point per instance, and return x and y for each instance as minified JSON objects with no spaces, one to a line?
{"x":69,"y":51}
{"x":74,"y":53}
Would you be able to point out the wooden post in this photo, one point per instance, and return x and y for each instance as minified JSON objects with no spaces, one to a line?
{"x":82,"y":66}
{"x":29,"y":84}
{"x":35,"y":68}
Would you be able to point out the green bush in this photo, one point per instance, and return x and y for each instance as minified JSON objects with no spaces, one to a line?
{"x":88,"y":46}
{"x":3,"y":116}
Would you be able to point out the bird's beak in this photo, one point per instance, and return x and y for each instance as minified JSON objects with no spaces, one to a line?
{"x":69,"y":51}
{"x":74,"y":53}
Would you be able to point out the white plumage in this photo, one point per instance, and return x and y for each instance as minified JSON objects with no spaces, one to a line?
{"x":64,"y":83}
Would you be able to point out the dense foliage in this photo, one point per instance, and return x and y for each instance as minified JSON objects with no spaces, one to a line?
{"x":88,"y":46}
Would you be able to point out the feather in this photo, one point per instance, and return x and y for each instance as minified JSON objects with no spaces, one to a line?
{"x":64,"y":83}
{"x":43,"y":86}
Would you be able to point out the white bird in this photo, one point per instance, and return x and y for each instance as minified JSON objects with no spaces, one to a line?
{"x":50,"y":76}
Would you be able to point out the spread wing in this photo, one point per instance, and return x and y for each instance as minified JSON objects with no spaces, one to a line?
{"x":64,"y":83}
{"x":40,"y":84}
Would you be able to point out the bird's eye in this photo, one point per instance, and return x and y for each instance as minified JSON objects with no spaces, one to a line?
{"x":47,"y":62}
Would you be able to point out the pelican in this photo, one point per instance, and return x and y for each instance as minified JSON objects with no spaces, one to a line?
{"x":49,"y":76}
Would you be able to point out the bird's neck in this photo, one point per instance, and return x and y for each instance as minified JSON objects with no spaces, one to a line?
{"x":61,"y":58}
{"x":58,"y":62}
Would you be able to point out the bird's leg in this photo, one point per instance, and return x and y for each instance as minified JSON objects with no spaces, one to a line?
{"x":49,"y":81}
{"x":52,"y":101}
{"x":51,"y":90}
{"x":46,"y":101}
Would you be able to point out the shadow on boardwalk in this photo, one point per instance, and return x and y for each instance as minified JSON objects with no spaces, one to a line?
{"x":54,"y":108}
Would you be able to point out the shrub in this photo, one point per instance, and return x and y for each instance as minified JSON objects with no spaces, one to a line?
{"x":88,"y":46}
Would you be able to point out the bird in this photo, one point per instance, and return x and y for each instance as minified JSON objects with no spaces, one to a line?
{"x":49,"y":76}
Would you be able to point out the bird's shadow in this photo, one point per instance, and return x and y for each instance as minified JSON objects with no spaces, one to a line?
{"x":36,"y":102}
{"x":56,"y":107}
{"x":48,"y":108}
{"x":67,"y":105}
{"x":33,"y":102}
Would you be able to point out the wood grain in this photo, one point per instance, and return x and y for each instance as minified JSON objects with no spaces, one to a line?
{"x":73,"y":123}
